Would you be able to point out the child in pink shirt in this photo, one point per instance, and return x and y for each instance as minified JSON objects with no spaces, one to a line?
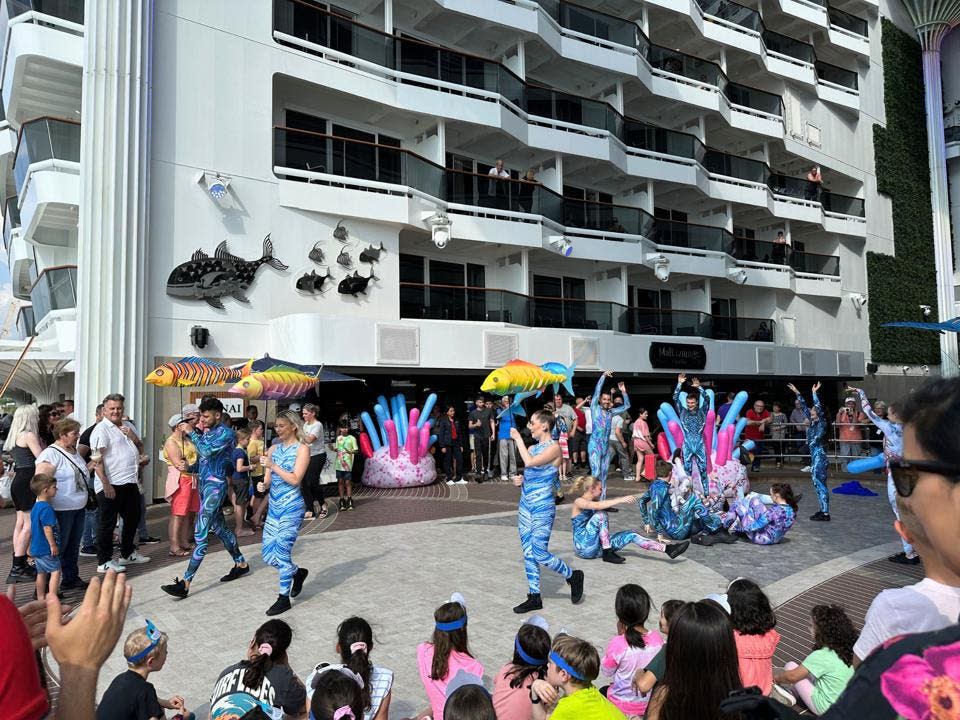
{"x":631,"y":650}
{"x":753,"y":621}
{"x":511,"y":689}
{"x":446,"y":655}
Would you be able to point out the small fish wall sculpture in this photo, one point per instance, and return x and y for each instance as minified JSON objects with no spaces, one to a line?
{"x":344,"y":259}
{"x":372,"y":254}
{"x":353,"y":284}
{"x":340,"y":233}
{"x":316,"y":254}
{"x":312,"y":283}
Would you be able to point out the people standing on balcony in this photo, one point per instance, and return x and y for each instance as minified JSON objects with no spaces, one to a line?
{"x":642,"y":443}
{"x":779,"y":254}
{"x":506,"y":445}
{"x":117,"y":451}
{"x":525,"y":193}
{"x":315,"y":437}
{"x":758,"y":417}
{"x":480,"y":422}
{"x":816,"y":441}
{"x":23,"y":442}
{"x":498,"y":187}
{"x":815,"y":183}
{"x":693,"y":416}
{"x":850,"y":430}
{"x":602,"y":413}
{"x":892,"y":431}
{"x":537,"y":511}
{"x":450,"y":442}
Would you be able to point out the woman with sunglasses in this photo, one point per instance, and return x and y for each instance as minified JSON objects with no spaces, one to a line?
{"x":816,"y":441}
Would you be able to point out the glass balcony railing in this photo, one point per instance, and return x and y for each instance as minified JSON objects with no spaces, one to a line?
{"x":11,"y":220}
{"x":688,"y":235}
{"x":848,"y":22}
{"x":465,"y":188}
{"x":573,"y":109}
{"x":54,"y":289}
{"x":842,"y":204}
{"x":688,"y":66}
{"x":837,"y":75}
{"x":594,"y":23}
{"x":732,"y":12}
{"x":645,"y":136}
{"x":749,"y":329}
{"x":815,"y":264}
{"x":951,"y":134}
{"x":26,"y":325}
{"x":721,"y":163}
{"x":44,"y":139}
{"x":589,"y":215}
{"x":71,"y":10}
{"x":786,"y":45}
{"x":476,"y":304}
{"x":746,"y":96}
{"x":762,"y":251}
{"x":802,"y":188}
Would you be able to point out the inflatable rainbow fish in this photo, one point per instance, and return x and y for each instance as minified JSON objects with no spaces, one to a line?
{"x":191,"y":371}
{"x":275,"y":383}
{"x":523,"y":379}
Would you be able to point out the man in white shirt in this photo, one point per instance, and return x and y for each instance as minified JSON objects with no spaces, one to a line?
{"x":115,"y":446}
{"x":498,"y":187}
{"x":928,"y":498}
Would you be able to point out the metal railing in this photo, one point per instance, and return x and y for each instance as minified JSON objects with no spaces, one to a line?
{"x":787,"y":442}
{"x":689,"y":235}
{"x":26,"y":325}
{"x":11,"y":220}
{"x":44,"y":139}
{"x":763,"y":251}
{"x":54,"y":289}
{"x":951,"y":134}
{"x":846,"y":21}
{"x":71,"y":10}
{"x":838,"y":75}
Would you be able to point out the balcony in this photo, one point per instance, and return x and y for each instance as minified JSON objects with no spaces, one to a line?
{"x":11,"y":224}
{"x":475,"y":304}
{"x":54,"y":289}
{"x":42,"y":57}
{"x":761,"y":251}
{"x":688,"y":235}
{"x":26,"y":326}
{"x":848,"y":31}
{"x":46,"y":171}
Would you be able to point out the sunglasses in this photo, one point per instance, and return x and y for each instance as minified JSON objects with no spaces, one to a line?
{"x":906,"y":473}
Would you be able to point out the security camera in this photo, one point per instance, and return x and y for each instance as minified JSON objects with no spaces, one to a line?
{"x":737,"y":275}
{"x":561,"y":245}
{"x":925,"y":309}
{"x":925,"y":369}
{"x":661,"y":266}
{"x":439,"y":224}
{"x":859,"y":300}
{"x":905,"y":369}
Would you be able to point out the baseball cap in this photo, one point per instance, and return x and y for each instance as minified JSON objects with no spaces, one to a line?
{"x":190,"y":409}
{"x":175,"y":420}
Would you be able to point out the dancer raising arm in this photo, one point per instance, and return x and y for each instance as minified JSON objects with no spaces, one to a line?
{"x":816,"y":441}
{"x":693,"y":416}
{"x":538,"y":510}
{"x":591,"y":529}
{"x":285,"y":465}
{"x":602,"y":412}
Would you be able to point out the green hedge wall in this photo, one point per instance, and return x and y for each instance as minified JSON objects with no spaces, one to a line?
{"x":899,"y":285}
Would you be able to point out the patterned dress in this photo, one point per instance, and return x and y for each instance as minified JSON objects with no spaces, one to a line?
{"x":763,"y":521}
{"x":692,"y":423}
{"x":284,"y":517}
{"x":690,"y":517}
{"x":591,"y":534}
{"x":816,"y":441}
{"x":535,"y":520}
{"x":598,"y":449}
{"x":215,"y":447}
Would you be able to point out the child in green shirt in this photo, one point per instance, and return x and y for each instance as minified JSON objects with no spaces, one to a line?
{"x":346,"y":447}
{"x":824,"y":673}
{"x":573,"y":666}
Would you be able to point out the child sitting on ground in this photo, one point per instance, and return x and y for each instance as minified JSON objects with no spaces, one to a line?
{"x":45,"y":535}
{"x":632,"y":649}
{"x":130,"y":696}
{"x":645,"y":678}
{"x":240,"y":482}
{"x":824,"y":673}
{"x":753,"y":623}
{"x":573,"y":666}
{"x":446,"y":655}
{"x":346,"y":447}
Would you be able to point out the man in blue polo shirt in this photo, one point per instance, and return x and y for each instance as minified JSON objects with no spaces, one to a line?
{"x":506,"y":446}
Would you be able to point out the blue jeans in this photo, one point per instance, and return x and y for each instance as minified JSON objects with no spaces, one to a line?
{"x":91,"y":521}
{"x":71,"y":528}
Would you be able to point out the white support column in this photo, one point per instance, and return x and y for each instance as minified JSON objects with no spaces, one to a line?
{"x":787,"y":233}
{"x":723,"y":60}
{"x":624,"y":285}
{"x":649,"y":197}
{"x":114,"y":203}
{"x":516,"y":63}
{"x":707,"y":295}
{"x":618,"y":98}
{"x":441,"y":142}
{"x":930,"y":40}
{"x":645,"y":20}
{"x":525,"y":266}
{"x":702,"y":128}
{"x":388,"y":17}
{"x":729,"y":223}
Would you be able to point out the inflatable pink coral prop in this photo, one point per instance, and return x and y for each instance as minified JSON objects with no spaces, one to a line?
{"x":383,"y":471}
{"x":398,"y":451}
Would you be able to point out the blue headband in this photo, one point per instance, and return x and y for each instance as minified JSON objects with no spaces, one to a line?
{"x":453,"y":624}
{"x":155,"y":636}
{"x":529,"y":659}
{"x":564,"y":665}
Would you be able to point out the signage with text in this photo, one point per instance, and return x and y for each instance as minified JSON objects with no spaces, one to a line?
{"x":677,"y":356}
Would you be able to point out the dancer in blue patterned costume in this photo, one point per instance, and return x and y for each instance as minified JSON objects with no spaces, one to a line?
{"x":677,"y":518}
{"x":285,"y":467}
{"x":763,"y":519}
{"x":538,"y":509}
{"x":591,"y":529}
{"x":693,"y":416}
{"x":214,"y":446}
{"x":598,"y":449}
{"x":892,"y":450}
{"x":816,"y":441}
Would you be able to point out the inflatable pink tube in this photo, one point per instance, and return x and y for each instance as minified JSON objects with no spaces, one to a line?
{"x":392,"y":439}
{"x":413,"y":436}
{"x":365,"y":447}
{"x":663,"y":447}
{"x":676,"y":431}
{"x":723,"y":448}
{"x":708,"y":436}
{"x":425,"y":439}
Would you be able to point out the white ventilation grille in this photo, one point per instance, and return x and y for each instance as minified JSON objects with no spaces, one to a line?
{"x":808,"y":362}
{"x":585,"y":352}
{"x":397,"y":345}
{"x":500,"y":348}
{"x":844,"y":364}
{"x":766,"y":361}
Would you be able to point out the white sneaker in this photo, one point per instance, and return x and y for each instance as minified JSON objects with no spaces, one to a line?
{"x":805,"y":468}
{"x":135,"y":558}
{"x":782,"y":696}
{"x":111,"y":565}
{"x":461,"y":481}
{"x":450,"y":482}
{"x":503,"y":478}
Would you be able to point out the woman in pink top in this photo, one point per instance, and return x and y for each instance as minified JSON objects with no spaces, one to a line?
{"x":753,"y":622}
{"x":631,"y":650}
{"x":511,"y":689}
{"x":642,"y":442}
{"x":446,"y":655}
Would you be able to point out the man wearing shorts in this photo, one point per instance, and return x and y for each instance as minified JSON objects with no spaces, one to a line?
{"x":481,"y":426}
{"x":566,"y":438}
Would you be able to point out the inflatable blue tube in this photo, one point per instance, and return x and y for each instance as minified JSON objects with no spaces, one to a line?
{"x":671,"y":413}
{"x":427,"y":409}
{"x":404,"y":416}
{"x":711,"y":398}
{"x":371,"y":430}
{"x":382,"y":417}
{"x":735,"y":407}
{"x":662,"y":417}
{"x":397,"y":414}
{"x":741,"y":424}
{"x":749,"y":445}
{"x":868,"y":464}
{"x":433,"y":439}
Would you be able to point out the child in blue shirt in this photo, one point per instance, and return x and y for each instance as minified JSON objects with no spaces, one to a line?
{"x":240,"y":482}
{"x":45,"y":535}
